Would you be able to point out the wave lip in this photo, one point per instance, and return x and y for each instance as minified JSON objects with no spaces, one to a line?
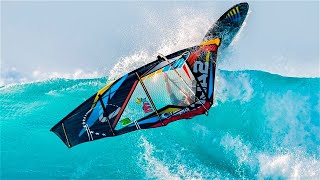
{"x":13,"y":76}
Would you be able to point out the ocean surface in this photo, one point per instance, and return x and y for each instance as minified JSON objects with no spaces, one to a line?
{"x":261,"y":126}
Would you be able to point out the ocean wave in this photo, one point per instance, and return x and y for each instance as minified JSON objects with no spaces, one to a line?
{"x":261,"y":126}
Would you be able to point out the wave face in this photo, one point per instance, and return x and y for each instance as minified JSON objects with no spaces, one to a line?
{"x":261,"y":126}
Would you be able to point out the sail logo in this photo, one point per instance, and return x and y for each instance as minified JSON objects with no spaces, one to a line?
{"x":201,"y":69}
{"x":146,"y":107}
{"x":167,"y":115}
{"x":102,"y":118}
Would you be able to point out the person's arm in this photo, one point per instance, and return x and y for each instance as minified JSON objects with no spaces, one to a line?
{"x":168,"y":87}
{"x":173,"y":98}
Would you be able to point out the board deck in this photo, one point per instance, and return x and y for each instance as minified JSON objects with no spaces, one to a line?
{"x":228,"y":25}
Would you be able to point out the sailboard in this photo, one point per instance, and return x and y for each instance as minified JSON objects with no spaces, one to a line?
{"x":228,"y":25}
{"x":173,"y":87}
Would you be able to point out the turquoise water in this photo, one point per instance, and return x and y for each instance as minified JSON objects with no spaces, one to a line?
{"x":261,"y":126}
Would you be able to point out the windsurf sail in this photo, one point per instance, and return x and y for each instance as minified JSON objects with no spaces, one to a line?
{"x":140,"y":99}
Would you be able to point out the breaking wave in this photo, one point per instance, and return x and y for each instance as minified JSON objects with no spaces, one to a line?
{"x":261,"y":126}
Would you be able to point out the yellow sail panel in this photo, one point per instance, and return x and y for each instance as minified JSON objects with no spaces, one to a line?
{"x":152,"y":74}
{"x":170,"y":110}
{"x":101,"y":91}
{"x":215,"y":41}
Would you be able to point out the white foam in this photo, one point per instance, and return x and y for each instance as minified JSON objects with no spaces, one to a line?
{"x":176,"y":168}
{"x":77,"y":87}
{"x":188,"y":30}
{"x":14,"y":77}
{"x":294,"y":165}
{"x":78,"y":74}
{"x":242,"y":150}
{"x":292,"y":134}
{"x":129,"y":63}
{"x":288,"y":163}
{"x":238,"y":35}
{"x":154,"y":167}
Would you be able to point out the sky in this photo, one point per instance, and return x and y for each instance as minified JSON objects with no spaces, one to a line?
{"x":82,"y":39}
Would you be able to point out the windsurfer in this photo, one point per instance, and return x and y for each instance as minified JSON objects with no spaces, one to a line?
{"x":185,"y":101}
